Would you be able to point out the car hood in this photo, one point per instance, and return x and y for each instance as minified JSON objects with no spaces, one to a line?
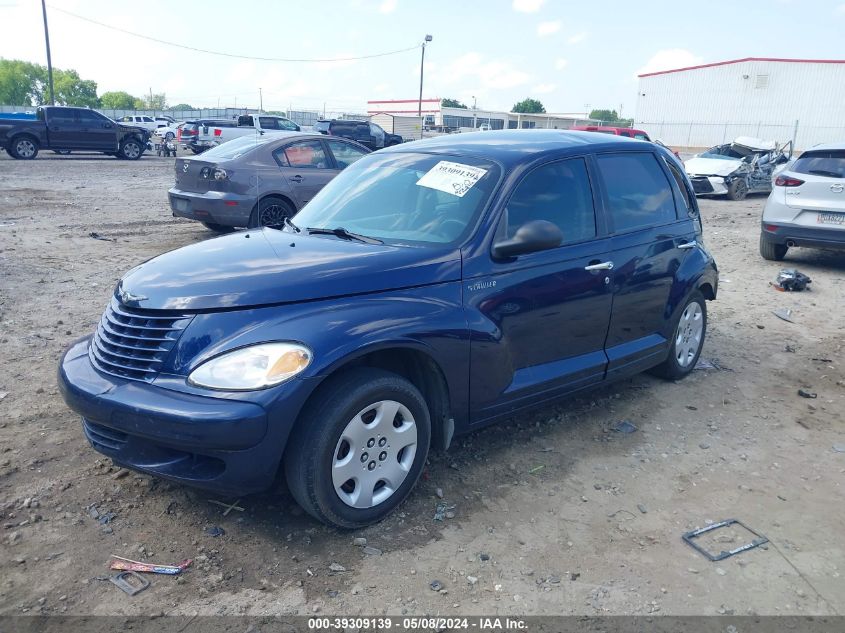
{"x":700,"y":166}
{"x":262,"y":267}
{"x":133,"y":128}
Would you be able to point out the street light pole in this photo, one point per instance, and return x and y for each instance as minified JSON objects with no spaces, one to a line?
{"x":49,"y":59}
{"x":260,"y":101}
{"x":428,"y":38}
{"x":474,"y":114}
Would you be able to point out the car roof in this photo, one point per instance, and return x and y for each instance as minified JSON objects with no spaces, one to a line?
{"x":510,"y":147}
{"x":826,"y":147}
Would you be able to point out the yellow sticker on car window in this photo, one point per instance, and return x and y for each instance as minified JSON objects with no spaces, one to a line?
{"x":454,"y":178}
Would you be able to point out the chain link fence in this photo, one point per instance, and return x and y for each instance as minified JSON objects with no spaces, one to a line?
{"x":697,"y":134}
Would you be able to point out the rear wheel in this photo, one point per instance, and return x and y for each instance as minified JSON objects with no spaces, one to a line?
{"x":686,"y":344}
{"x":738,"y":189}
{"x":131,"y":149}
{"x":358,"y":448}
{"x":772,"y":252}
{"x":271,"y":212}
{"x":23,"y":148}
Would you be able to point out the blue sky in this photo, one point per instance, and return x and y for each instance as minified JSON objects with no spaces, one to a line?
{"x":566,"y":54}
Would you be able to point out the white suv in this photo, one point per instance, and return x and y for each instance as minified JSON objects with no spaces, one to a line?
{"x":140,"y":121}
{"x":807,"y":204}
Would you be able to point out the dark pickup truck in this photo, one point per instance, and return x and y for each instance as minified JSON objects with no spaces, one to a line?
{"x":64,"y":129}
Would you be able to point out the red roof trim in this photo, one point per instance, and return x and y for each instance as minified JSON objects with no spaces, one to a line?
{"x":747,"y":59}
{"x":402,"y":111}
{"x":405,"y":101}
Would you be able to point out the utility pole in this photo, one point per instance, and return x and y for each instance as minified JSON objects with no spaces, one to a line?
{"x":260,"y":101}
{"x":151,"y":98}
{"x":474,"y":114}
{"x":49,"y":59}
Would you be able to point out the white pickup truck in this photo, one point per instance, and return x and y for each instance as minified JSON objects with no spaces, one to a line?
{"x":247,"y":124}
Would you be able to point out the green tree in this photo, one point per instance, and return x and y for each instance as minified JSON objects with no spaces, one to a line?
{"x":155,"y":101}
{"x":452,"y":103}
{"x":119,"y":100}
{"x":21,"y":82}
{"x":70,"y":89}
{"x":182,"y":106}
{"x":604,"y":115}
{"x":529,"y":106}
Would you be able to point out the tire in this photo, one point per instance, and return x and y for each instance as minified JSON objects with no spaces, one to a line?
{"x":23,"y":147}
{"x":270,"y":211}
{"x":169,"y":136}
{"x":339,"y":432}
{"x":218,"y":228}
{"x":689,"y":330}
{"x":738,"y":189}
{"x":130,"y":149}
{"x":772,"y":252}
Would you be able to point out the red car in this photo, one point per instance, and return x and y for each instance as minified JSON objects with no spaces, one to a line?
{"x":618,"y":131}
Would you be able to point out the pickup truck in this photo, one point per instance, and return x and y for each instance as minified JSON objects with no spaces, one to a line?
{"x":63,"y":129}
{"x":247,"y":124}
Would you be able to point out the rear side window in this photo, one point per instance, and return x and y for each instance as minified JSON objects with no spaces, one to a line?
{"x":679,"y":179}
{"x":560,"y":193}
{"x":638,"y":193}
{"x":63,"y":117}
{"x":829,"y":163}
{"x":321,"y":126}
{"x":345,"y":153}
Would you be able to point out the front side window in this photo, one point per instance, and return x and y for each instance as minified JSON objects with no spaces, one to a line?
{"x":345,"y":153}
{"x":307,"y":154}
{"x":89,"y":116}
{"x":146,"y":119}
{"x":638,"y":193}
{"x":405,"y":198}
{"x":559,"y":193}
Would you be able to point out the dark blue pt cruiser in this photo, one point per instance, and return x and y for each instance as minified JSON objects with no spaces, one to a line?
{"x":429,"y":290}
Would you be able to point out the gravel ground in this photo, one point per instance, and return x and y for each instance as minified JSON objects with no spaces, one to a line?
{"x":551,"y":513}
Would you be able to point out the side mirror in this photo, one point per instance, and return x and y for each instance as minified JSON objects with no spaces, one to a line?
{"x":531,"y":237}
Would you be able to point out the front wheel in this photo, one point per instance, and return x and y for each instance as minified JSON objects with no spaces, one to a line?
{"x":131,"y":149}
{"x":738,"y":189}
{"x":685,"y":345}
{"x":358,"y":448}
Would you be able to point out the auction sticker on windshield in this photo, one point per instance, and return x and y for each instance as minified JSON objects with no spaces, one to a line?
{"x":453,"y":178}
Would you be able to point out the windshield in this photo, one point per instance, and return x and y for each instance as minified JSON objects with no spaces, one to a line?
{"x":416,"y":198}
{"x":236,"y":147}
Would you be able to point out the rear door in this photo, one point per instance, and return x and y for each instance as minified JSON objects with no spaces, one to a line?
{"x":63,"y":129}
{"x":820,"y":200}
{"x":650,"y":240}
{"x":307,"y":166}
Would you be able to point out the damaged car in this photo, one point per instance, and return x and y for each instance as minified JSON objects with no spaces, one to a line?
{"x":747,"y":165}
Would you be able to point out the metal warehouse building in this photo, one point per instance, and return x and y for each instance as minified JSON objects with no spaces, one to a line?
{"x":775,"y":99}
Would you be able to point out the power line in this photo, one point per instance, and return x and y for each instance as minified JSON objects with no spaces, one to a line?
{"x":232,"y":55}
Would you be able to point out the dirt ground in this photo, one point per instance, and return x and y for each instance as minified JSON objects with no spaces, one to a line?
{"x":552,"y":513}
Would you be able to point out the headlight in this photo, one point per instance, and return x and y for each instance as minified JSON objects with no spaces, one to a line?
{"x":254,"y":367}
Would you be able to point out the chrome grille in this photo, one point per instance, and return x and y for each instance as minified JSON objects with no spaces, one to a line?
{"x":133,"y":343}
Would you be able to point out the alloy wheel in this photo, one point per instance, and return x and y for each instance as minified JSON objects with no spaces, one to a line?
{"x":273,"y":215}
{"x":25,"y":148}
{"x":689,"y":334}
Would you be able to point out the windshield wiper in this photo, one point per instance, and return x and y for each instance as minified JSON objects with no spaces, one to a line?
{"x":824,"y":172}
{"x":291,"y":225}
{"x":343,"y":234}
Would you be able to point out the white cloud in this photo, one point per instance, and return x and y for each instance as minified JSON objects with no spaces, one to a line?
{"x":474,"y":69}
{"x":548,"y":28}
{"x":577,"y":38}
{"x":528,"y":6}
{"x":669,"y":59}
{"x":840,"y":10}
{"x":561,"y":63}
{"x":543,"y":88}
{"x":387,"y":6}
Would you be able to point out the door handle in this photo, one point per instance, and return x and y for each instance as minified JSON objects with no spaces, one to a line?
{"x":688,"y":245}
{"x":296,"y":178}
{"x":600,"y":266}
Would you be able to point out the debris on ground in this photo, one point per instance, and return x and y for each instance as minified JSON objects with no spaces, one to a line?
{"x":625,"y":426}
{"x":127,"y":564}
{"x":97,"y":236}
{"x":804,"y":393}
{"x":443,"y":511}
{"x":784,"y":313}
{"x":371,"y":551}
{"x":689,"y":539}
{"x":130,"y":582}
{"x":337,"y":567}
{"x":435,"y":585}
{"x":214,"y":530}
{"x":359,"y":541}
{"x":791,"y":280}
{"x":228,"y":506}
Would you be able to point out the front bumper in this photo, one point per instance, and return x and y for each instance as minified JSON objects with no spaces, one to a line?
{"x":218,"y":207}
{"x":709,"y":185}
{"x":216,"y":443}
{"x":800,"y":235}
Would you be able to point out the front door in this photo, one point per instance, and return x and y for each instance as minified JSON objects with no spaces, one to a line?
{"x":539,"y":321}
{"x":307,"y":167}
{"x":650,"y":240}
{"x":96,"y":131}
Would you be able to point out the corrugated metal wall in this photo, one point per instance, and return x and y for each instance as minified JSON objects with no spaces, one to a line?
{"x":773,"y":100}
